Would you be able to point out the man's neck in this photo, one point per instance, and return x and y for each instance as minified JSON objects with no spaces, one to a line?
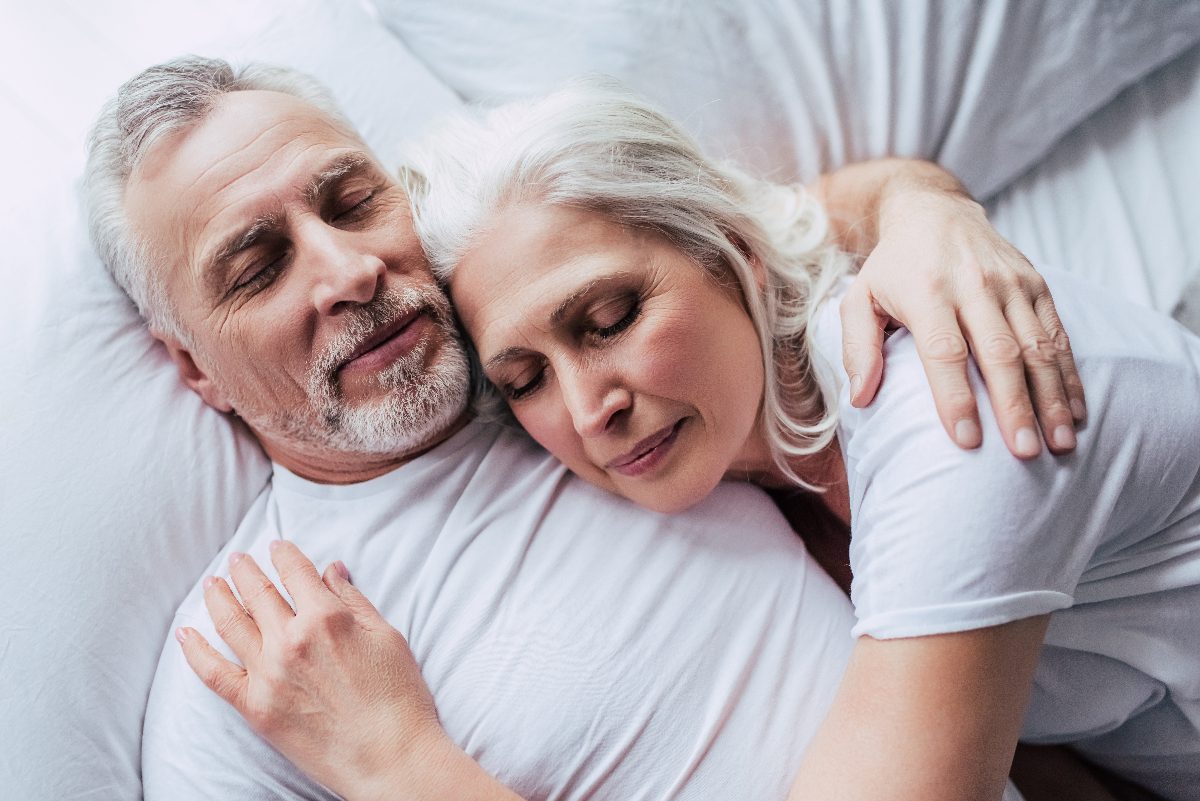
{"x":326,"y":466}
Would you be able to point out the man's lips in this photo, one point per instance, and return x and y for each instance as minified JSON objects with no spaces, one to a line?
{"x":383,"y":346}
{"x":646,"y":445}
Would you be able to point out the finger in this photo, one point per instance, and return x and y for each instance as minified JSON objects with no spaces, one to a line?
{"x":1041,"y":365}
{"x":943,"y":352}
{"x":298,"y":574}
{"x":998,"y":354}
{"x":236,"y":627}
{"x":223,"y":677}
{"x":259,"y":595}
{"x":337,"y":578}
{"x":1043,"y":306}
{"x":862,"y":345}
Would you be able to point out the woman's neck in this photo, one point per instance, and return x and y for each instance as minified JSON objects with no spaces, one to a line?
{"x":825,"y":469}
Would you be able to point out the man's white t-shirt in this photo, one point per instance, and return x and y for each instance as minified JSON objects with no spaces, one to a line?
{"x":1107,"y":538}
{"x":576,"y":645}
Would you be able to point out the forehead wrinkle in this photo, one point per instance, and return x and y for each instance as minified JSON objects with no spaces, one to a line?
{"x":233,"y":152}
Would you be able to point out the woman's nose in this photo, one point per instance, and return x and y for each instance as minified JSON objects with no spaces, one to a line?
{"x":595,"y":404}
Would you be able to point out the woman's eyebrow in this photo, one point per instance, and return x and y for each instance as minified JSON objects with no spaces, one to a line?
{"x":503,"y":356}
{"x":575,"y":298}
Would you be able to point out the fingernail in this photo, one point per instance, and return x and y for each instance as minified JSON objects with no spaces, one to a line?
{"x":180,"y":635}
{"x":1027,"y":442}
{"x":341,"y":570}
{"x":856,"y":383}
{"x":235,"y":557}
{"x":1078,"y":410}
{"x":1064,"y":437}
{"x":208,"y":582}
{"x":274,"y":544}
{"x":967,"y":433}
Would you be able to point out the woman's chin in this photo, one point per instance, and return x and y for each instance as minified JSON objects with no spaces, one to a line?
{"x":669,"y":500}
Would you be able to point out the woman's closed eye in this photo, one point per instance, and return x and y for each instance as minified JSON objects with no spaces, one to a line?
{"x":524,"y":385}
{"x":615,"y":316}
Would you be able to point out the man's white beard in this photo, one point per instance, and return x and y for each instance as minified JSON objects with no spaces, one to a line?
{"x":421,"y":400}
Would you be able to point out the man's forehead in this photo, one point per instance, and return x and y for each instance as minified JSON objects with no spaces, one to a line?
{"x":243,"y":132}
{"x":250,"y":146}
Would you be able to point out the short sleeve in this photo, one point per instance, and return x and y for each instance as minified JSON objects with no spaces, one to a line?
{"x":950,"y":540}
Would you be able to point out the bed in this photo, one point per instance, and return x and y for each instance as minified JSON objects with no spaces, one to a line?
{"x":1076,"y":123}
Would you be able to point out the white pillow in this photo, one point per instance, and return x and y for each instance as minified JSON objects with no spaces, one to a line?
{"x":1115,"y":201}
{"x":795,"y":87}
{"x":117,"y":486}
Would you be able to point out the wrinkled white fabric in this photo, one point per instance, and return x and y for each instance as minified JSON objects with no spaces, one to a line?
{"x":1106,"y":538}
{"x":576,"y":645}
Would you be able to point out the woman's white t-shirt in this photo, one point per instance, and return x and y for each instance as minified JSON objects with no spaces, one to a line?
{"x":1107,"y":538}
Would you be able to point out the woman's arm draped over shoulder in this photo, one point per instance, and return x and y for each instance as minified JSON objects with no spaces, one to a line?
{"x":933,"y":263}
{"x":925,"y":718}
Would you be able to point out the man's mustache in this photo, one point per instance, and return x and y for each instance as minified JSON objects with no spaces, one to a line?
{"x":363,"y":322}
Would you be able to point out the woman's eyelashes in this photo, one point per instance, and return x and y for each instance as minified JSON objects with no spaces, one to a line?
{"x":628,"y":307}
{"x":528,"y":387}
{"x":603,"y":322}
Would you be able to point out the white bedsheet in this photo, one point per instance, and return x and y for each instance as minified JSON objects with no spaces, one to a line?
{"x":1118,"y":200}
{"x":109,"y":505}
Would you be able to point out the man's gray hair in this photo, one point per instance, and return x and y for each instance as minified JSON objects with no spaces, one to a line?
{"x":595,"y":146}
{"x":155,"y":103}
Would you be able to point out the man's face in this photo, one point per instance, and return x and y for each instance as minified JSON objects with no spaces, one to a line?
{"x":291,"y":257}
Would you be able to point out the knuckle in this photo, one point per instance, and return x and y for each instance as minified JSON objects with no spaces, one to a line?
{"x":227,"y":622}
{"x":946,"y":346}
{"x":1038,"y":351}
{"x":1060,"y":340}
{"x":1035,"y":282}
{"x":1000,"y":347}
{"x":1015,"y":408}
{"x":1054,"y":409}
{"x":297,"y":645}
{"x":958,"y":401}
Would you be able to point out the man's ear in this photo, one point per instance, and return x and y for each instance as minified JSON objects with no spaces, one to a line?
{"x":193,"y":376}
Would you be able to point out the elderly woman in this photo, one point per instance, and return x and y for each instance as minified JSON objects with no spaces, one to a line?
{"x":661,"y":323}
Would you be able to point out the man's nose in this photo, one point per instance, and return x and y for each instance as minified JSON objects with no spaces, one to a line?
{"x":345,"y":272}
{"x":595,"y":400}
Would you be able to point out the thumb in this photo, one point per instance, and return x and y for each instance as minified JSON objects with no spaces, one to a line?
{"x":862,"y":345}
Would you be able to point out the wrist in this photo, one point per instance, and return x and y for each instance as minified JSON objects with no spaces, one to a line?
{"x":430,"y":769}
{"x":918,"y":188}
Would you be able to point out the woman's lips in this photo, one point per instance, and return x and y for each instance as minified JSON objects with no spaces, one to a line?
{"x":392,"y":342}
{"x":649,"y":453}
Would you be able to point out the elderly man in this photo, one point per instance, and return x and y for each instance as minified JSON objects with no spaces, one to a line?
{"x":576,"y":646}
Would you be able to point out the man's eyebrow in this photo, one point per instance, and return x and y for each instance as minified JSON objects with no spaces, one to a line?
{"x":336,"y":169}
{"x":214,"y":275}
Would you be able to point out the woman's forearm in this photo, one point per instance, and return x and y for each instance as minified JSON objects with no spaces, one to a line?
{"x":858,"y":197}
{"x":440,"y":772}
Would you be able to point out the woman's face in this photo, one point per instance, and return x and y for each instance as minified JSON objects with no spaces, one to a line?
{"x":615,"y":351}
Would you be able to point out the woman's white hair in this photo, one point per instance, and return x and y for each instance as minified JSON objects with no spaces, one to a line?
{"x":595,"y":146}
{"x":156,"y":102}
